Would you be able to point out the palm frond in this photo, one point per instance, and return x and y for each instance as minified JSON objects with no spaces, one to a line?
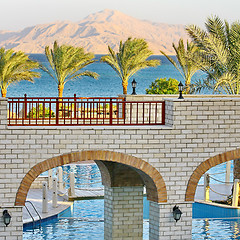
{"x":130,"y":58}
{"x":220,"y":52}
{"x":15,"y":67}
{"x":66,"y":63}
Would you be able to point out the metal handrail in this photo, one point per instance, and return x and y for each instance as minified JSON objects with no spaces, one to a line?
{"x":36,"y":211}
{"x":84,"y":111}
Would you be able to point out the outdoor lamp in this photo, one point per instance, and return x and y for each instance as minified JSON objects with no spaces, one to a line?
{"x":176,"y":213}
{"x":134,"y":84}
{"x":6,"y":217}
{"x":180,"y":89}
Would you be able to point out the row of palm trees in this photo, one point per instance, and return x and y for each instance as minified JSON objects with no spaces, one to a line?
{"x":66,"y":63}
{"x":215,"y":51}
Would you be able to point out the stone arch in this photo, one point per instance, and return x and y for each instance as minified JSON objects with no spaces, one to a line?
{"x":204,"y":167}
{"x":144,"y":167}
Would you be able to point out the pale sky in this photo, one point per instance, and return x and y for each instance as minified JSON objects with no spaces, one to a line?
{"x":18,"y":14}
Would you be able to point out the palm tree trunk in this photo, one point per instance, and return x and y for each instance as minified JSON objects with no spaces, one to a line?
{"x":125,"y":85}
{"x":187,"y":85}
{"x":60,"y":94}
{"x":4,"y":92}
{"x":60,"y":90}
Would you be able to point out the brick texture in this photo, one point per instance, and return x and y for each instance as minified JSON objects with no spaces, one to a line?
{"x":200,"y":133}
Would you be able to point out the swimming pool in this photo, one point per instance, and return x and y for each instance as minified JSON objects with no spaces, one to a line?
{"x":85,"y":219}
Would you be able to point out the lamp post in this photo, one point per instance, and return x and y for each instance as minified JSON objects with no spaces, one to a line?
{"x":134,"y":84}
{"x":6,"y":217}
{"x":176,"y":213}
{"x":180,"y":89}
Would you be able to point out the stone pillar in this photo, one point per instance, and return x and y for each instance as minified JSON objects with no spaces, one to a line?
{"x":3,"y":113}
{"x":123,"y":213}
{"x":169,"y":229}
{"x":154,"y":220}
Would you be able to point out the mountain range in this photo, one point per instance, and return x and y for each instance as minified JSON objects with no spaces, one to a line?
{"x":95,"y":33}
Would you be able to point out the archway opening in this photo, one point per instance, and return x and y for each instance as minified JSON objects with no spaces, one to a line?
{"x":204,"y":167}
{"x":207,"y":211}
{"x":116,"y":176}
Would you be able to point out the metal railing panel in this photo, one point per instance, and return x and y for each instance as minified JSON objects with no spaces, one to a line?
{"x":83,"y":111}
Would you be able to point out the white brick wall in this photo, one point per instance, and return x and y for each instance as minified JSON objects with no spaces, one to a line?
{"x":123,"y":213}
{"x":196,"y":129}
{"x":14,"y":230}
{"x":154,"y":214}
{"x":181,"y":229}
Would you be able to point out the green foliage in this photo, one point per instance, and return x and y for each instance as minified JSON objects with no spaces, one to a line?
{"x":163,"y":86}
{"x":131,"y":57}
{"x":188,"y":61}
{"x":40,"y":112}
{"x":14,"y":67}
{"x":66,"y":62}
{"x":220,"y":55}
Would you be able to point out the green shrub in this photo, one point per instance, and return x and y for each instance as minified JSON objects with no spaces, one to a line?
{"x":163,"y":86}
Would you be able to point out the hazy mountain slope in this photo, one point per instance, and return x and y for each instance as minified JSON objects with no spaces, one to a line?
{"x":94,"y":33}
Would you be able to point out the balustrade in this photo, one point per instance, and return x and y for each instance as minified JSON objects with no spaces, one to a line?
{"x":84,"y":111}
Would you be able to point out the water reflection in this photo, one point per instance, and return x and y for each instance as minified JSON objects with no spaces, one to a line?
{"x":236,"y":230}
{"x":217,"y":229}
{"x":206,"y":229}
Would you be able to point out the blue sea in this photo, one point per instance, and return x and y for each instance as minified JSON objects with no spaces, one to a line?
{"x":108,"y":84}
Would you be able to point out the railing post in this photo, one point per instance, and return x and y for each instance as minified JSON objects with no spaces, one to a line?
{"x":54,"y":194}
{"x":124,"y":108}
{"x":25,"y":106}
{"x":206,"y":187}
{"x":44,"y":197}
{"x":163,"y":113}
{"x":50,"y":179}
{"x":72,"y":185}
{"x":75,"y":106}
{"x":110,"y":112}
{"x":60,"y":179}
{"x":228,"y":171}
{"x":57,"y":111}
{"x":235,"y":193}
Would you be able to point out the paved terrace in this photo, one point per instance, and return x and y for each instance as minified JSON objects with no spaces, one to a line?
{"x":35,"y":196}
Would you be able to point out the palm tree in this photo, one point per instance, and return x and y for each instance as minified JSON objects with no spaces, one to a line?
{"x":220,"y":53}
{"x":65,"y":64}
{"x":131,"y":57}
{"x":187,"y":61}
{"x":14,"y":67}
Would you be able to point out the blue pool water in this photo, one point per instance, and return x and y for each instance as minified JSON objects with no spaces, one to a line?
{"x":85,"y":219}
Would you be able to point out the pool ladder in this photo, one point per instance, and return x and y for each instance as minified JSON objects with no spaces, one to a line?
{"x":40,"y":219}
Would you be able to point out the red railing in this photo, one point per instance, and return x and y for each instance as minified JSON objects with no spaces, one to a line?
{"x":84,"y":111}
